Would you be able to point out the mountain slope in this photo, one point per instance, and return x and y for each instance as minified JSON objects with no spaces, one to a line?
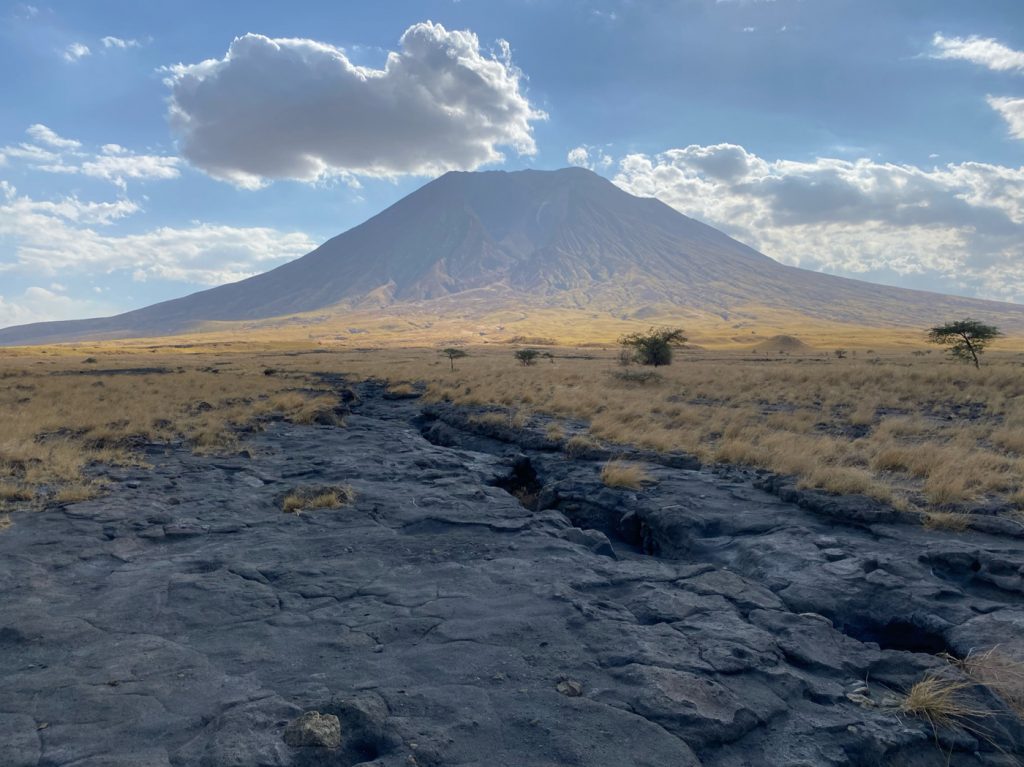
{"x":566,"y":238}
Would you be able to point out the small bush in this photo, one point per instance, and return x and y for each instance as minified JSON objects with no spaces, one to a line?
{"x":655,"y":346}
{"x":527,"y":357}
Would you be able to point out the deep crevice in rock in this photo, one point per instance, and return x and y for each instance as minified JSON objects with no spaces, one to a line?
{"x":896,"y":634}
{"x":522,"y":482}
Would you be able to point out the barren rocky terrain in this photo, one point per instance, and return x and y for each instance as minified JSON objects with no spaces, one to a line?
{"x":485,"y":600}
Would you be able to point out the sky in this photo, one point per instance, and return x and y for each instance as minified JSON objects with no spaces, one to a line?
{"x":152,"y":149}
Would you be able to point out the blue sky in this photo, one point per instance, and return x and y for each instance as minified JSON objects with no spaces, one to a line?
{"x":147,"y":153}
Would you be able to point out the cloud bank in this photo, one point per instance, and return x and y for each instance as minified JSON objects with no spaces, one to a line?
{"x":300,"y":109}
{"x":66,"y":237}
{"x":957,"y":227}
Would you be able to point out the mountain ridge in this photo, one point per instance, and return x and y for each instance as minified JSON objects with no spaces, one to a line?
{"x":565,"y":238}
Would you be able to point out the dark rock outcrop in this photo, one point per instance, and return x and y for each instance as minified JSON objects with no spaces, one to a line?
{"x":184,"y":620}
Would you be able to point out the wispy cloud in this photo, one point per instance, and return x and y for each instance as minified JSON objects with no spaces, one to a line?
{"x":44,"y":135}
{"x":53,"y":153}
{"x":984,"y":51}
{"x":76,"y":51}
{"x":118,"y":42}
{"x":69,"y":236}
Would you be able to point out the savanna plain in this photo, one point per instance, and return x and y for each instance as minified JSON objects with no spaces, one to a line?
{"x":908,"y":427}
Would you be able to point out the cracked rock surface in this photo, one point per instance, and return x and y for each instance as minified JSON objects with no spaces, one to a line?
{"x":183,"y":619}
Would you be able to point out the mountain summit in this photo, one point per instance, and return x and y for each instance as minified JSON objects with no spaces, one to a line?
{"x":569,"y":238}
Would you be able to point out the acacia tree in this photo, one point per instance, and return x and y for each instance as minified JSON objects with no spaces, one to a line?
{"x":965,"y":338}
{"x":527,"y":357}
{"x":655,"y":346}
{"x":453,"y":354}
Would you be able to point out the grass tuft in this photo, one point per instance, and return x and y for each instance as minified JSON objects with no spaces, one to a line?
{"x":619,"y":473}
{"x":940,"y":701}
{"x":581,"y":444}
{"x":13,"y":493}
{"x":307,"y":499}
{"x":77,"y":492}
{"x":402,"y":390}
{"x":946,"y":520}
{"x":998,"y":672}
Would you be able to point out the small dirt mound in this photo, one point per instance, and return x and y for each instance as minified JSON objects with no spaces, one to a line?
{"x":786,"y":344}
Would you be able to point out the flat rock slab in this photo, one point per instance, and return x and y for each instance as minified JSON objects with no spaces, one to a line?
{"x":183,"y":619}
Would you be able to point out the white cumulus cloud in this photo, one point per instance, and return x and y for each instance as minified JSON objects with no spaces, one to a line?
{"x":1011,"y":110}
{"x":984,"y":51}
{"x":954,"y":227}
{"x":590,"y":157}
{"x":300,"y":109}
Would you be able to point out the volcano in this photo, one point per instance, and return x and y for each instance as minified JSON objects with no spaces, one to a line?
{"x":467,"y":243}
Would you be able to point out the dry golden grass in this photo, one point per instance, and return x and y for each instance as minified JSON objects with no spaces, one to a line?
{"x":491,"y":419}
{"x":61,"y":416}
{"x":997,"y":671}
{"x":10,"y":492}
{"x":324,"y":498}
{"x":403,"y":389}
{"x":78,"y":492}
{"x":946,"y":520}
{"x":555,"y":432}
{"x":940,"y":702}
{"x":619,"y":473}
{"x":580,"y":444}
{"x":926,"y":437}
{"x":920,"y":432}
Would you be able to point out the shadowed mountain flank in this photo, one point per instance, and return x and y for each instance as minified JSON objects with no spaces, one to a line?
{"x":469,"y":243}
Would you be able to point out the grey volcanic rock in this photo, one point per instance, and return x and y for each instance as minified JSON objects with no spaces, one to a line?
{"x":314,"y":729}
{"x":443,"y":623}
{"x":468,"y":243}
